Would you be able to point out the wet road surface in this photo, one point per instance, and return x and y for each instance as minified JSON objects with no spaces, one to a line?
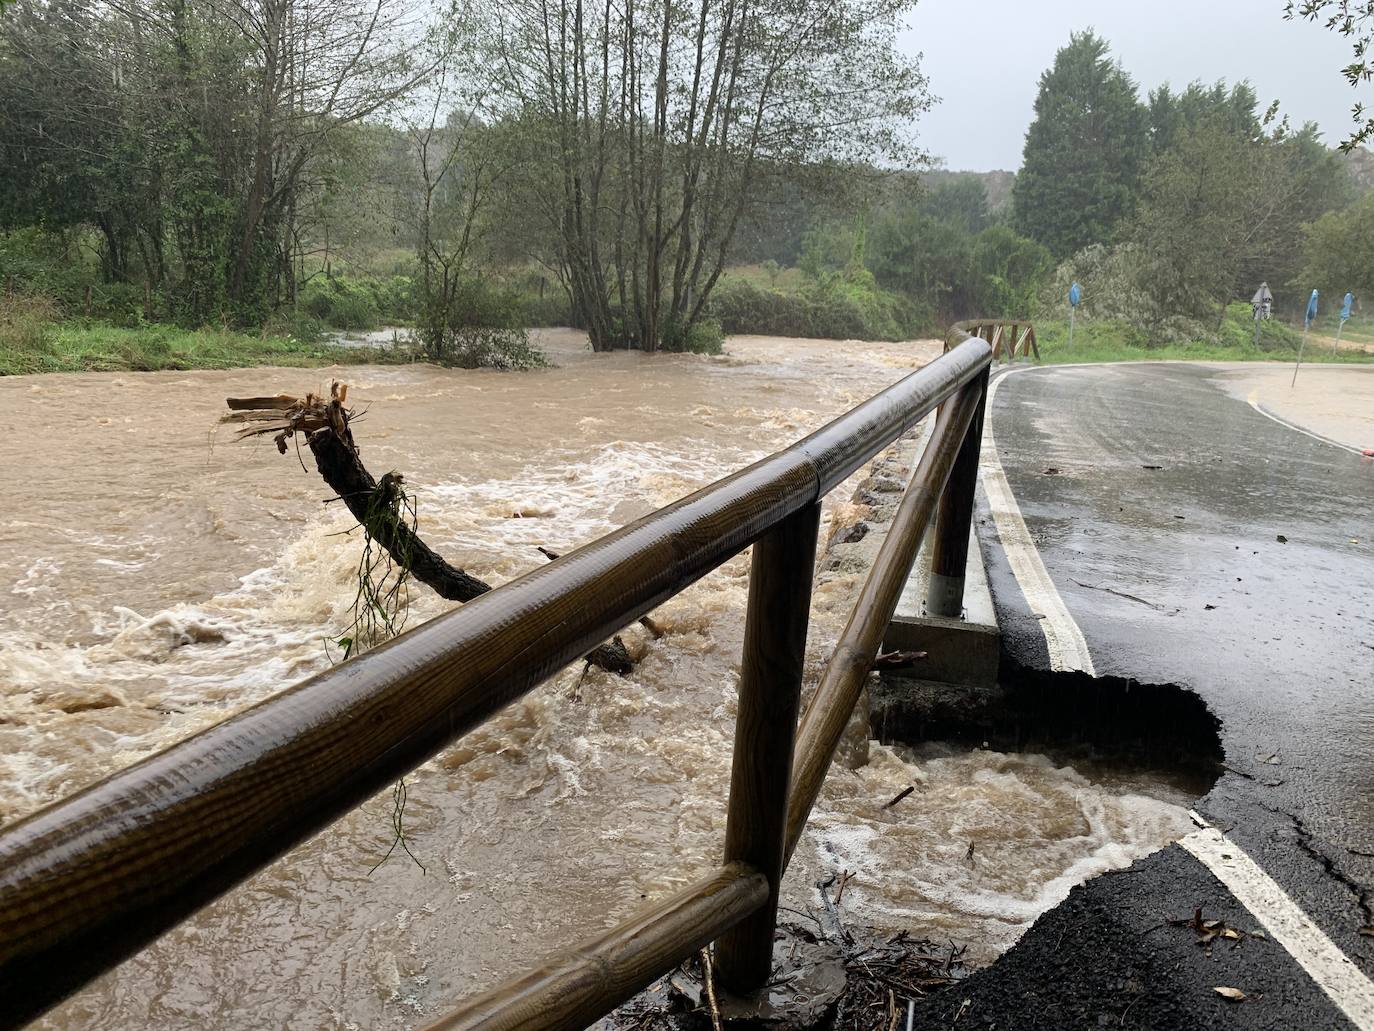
{"x":1195,"y":542}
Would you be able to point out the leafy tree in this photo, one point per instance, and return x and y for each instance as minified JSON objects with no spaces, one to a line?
{"x":67,"y":163}
{"x":1355,"y":20}
{"x":1228,"y":110}
{"x":1009,"y":271}
{"x":1194,"y":221}
{"x":791,"y":200}
{"x":1084,"y":150}
{"x":185,"y":132}
{"x":650,"y":127}
{"x":1221,"y":211}
{"x":1338,"y":251}
{"x":1298,"y":180}
{"x":457,"y":165}
{"x":943,"y":253}
{"x":925,"y":258}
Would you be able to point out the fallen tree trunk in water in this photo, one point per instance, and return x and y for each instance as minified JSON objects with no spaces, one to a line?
{"x":375,"y":504}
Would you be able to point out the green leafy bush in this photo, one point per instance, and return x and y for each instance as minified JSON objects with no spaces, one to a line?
{"x":1008,"y":271}
{"x":34,"y":261}
{"x":488,"y":347}
{"x":742,"y":307}
{"x":341,"y":302}
{"x":398,"y":299}
{"x":481,"y":326}
{"x":32,"y":258}
{"x":1238,"y":330}
{"x":28,"y":326}
{"x":296,"y":324}
{"x":701,"y":337}
{"x":121,"y":304}
{"x":1111,"y":281}
{"x":836,"y":307}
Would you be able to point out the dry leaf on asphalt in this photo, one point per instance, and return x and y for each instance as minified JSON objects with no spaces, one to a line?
{"x":1233,"y":994}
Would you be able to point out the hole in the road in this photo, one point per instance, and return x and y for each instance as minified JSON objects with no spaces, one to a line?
{"x":1131,"y":725}
{"x":1019,"y":793}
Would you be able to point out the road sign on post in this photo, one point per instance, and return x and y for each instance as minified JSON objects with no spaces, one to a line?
{"x":1075,"y":295}
{"x":1345,"y":317}
{"x":1307,"y":321}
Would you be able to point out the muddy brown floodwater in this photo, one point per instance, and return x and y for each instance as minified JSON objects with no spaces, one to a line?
{"x":160,"y":576}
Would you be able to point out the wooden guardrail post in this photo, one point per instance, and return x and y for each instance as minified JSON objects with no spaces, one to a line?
{"x":825,"y":718}
{"x":949,"y":550}
{"x":769,"y":698}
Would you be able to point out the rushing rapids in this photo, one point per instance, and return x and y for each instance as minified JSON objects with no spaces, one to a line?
{"x":161,"y":577}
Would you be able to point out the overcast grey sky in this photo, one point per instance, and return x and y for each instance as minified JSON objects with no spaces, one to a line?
{"x":984,"y":59}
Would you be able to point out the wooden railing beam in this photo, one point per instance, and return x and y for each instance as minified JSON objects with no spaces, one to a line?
{"x":575,"y":987}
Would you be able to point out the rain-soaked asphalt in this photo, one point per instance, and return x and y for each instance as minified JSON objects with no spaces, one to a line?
{"x":1197,"y":543}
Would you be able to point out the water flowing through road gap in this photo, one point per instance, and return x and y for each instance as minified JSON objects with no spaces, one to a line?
{"x":161,"y":576}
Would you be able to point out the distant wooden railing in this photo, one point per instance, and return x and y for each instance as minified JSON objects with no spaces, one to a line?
{"x":1009,"y":338}
{"x":91,"y":879}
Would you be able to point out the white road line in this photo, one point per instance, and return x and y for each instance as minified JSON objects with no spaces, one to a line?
{"x":1254,"y":403}
{"x":1064,"y":640}
{"x":1342,"y":981}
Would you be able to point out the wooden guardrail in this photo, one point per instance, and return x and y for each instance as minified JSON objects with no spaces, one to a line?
{"x":1009,"y":338}
{"x":87,"y":881}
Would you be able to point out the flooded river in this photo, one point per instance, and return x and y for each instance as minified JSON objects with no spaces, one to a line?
{"x":160,"y":576}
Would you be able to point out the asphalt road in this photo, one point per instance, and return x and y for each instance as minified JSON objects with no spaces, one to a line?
{"x":1191,"y":541}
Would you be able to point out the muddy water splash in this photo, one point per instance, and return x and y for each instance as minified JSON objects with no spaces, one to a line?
{"x":161,"y":577}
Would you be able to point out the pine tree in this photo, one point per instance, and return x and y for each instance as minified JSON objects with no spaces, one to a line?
{"x":1081,"y":165}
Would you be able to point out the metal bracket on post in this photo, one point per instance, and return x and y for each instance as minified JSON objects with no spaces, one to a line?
{"x":949,"y":551}
{"x":769,"y":699}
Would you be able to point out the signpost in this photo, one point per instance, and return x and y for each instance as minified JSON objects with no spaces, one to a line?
{"x":1306,"y":325}
{"x":1075,"y":295}
{"x":1345,"y":317}
{"x":1263,"y":304}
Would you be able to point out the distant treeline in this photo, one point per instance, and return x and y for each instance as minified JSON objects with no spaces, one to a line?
{"x":212,"y":158}
{"x":1165,"y":209}
{"x":655,"y":174}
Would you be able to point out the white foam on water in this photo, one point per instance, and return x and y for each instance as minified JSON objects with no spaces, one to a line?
{"x":986,"y":843}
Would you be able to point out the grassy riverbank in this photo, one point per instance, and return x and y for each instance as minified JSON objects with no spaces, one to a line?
{"x":1234,"y":341}
{"x":80,"y":346}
